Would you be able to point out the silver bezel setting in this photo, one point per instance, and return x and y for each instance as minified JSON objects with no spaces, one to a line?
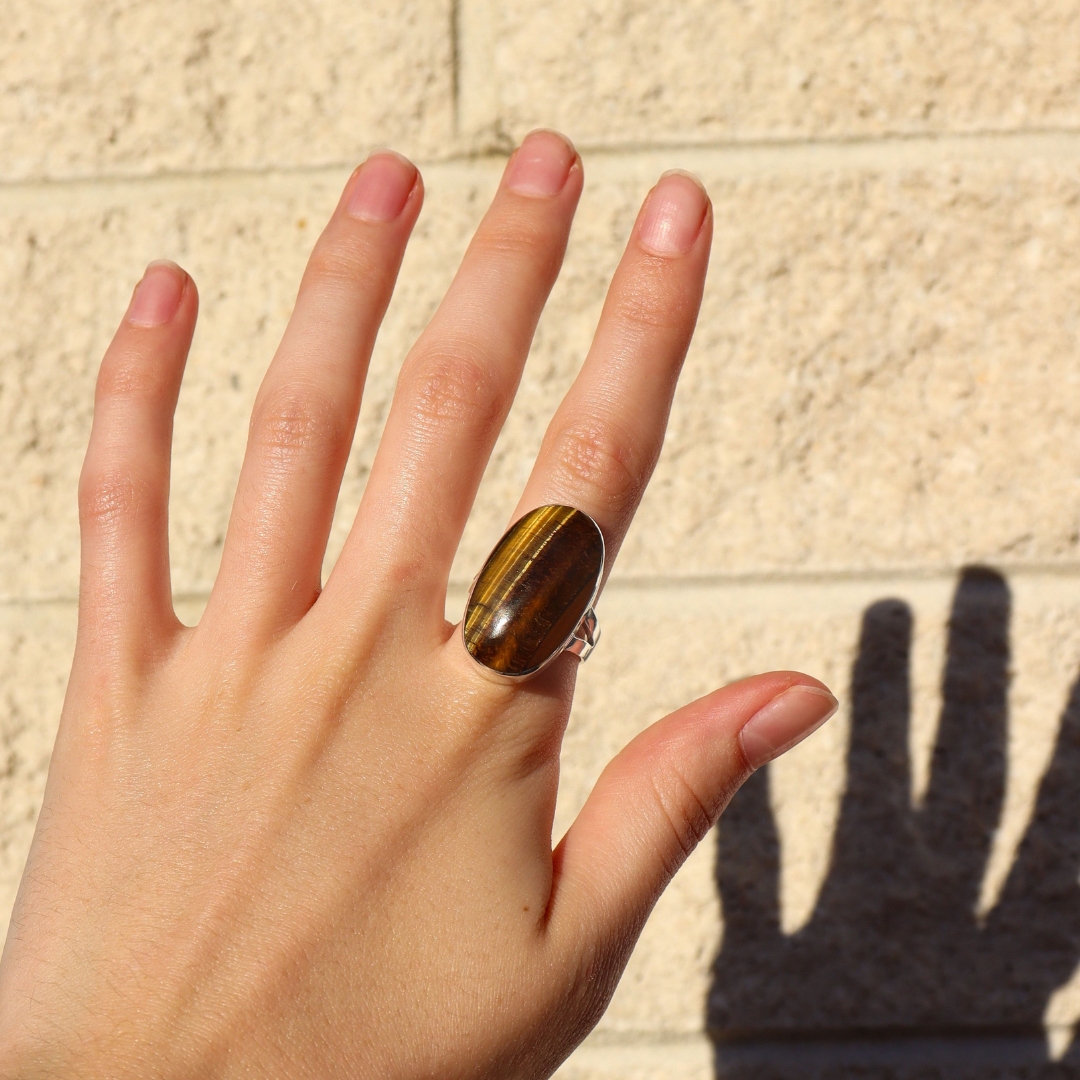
{"x":582,"y":639}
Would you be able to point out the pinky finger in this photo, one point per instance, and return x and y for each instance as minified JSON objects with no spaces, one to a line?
{"x":659,"y":797}
{"x":125,"y":592}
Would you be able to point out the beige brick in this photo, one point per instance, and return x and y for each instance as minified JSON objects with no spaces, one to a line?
{"x":711,"y":636}
{"x":883,"y":387}
{"x":631,"y":72}
{"x":663,"y":646}
{"x":881,"y":375}
{"x":880,"y":379}
{"x":35,"y":653}
{"x":597,"y":1059}
{"x":141,"y":86}
{"x":66,"y":269}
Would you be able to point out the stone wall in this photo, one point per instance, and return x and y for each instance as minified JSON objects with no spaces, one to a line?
{"x":884,"y":389}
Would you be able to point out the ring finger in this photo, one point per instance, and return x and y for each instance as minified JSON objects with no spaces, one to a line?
{"x":602,"y":444}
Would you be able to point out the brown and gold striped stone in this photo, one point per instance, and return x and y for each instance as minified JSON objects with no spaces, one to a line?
{"x":533,"y":590}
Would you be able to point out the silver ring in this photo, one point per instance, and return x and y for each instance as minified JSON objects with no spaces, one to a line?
{"x":533,"y":598}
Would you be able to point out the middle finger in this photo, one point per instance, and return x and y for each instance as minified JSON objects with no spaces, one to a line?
{"x":457,"y":384}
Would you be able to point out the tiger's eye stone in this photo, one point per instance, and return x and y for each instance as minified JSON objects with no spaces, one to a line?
{"x":534,"y":589}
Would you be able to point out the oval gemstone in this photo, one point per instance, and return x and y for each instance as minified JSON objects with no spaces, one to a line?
{"x":534,"y":589}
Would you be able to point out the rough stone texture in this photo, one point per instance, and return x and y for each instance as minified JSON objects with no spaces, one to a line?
{"x":35,"y":652}
{"x":598,"y":1059}
{"x":138,"y":86}
{"x":633,"y":72}
{"x":700,"y":636}
{"x":877,"y":378}
{"x":245,"y":244}
{"x":884,"y":387}
{"x":882,"y":377}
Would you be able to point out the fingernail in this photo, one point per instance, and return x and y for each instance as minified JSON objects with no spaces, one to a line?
{"x":382,"y":188}
{"x":673,"y":214}
{"x":541,"y":164}
{"x":157,"y":296}
{"x":785,"y":721}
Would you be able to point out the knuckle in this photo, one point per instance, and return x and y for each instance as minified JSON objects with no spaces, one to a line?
{"x":335,"y":262}
{"x":596,"y":458}
{"x":514,"y":236}
{"x":519,"y":244}
{"x":591,"y":981}
{"x":650,"y":308}
{"x":130,"y":375}
{"x":110,"y":497}
{"x":450,"y":385}
{"x":687,"y":814}
{"x":295,"y":420}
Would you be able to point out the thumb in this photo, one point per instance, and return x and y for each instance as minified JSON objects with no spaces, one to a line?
{"x":658,"y":798}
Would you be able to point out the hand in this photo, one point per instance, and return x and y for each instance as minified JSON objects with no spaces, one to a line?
{"x":896,"y":961}
{"x":310,"y":837}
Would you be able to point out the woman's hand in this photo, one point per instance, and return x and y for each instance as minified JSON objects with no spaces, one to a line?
{"x":310,"y":837}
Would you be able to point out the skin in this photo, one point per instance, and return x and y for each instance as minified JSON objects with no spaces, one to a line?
{"x":310,"y":837}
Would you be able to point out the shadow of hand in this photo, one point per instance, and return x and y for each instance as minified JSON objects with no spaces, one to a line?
{"x":894,"y":974}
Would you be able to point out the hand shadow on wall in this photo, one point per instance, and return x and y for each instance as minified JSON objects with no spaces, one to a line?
{"x":894,"y":976}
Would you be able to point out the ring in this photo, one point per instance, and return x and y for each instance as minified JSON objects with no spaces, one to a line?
{"x":533,"y":599}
